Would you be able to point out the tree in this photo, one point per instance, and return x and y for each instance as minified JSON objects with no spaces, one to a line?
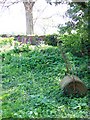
{"x":29,"y":16}
{"x":79,"y":14}
{"x":28,"y":5}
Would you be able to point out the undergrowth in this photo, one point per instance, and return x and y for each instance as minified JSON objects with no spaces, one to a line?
{"x":30,"y":84}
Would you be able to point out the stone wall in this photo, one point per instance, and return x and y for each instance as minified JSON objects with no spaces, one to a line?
{"x":33,"y":40}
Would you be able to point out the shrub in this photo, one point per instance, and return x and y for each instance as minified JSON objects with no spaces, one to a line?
{"x":75,"y":44}
{"x":51,"y":39}
{"x":5,"y":41}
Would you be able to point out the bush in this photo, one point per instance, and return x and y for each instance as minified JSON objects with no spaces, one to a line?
{"x":75,"y":44}
{"x":51,"y":39}
{"x":5,"y":41}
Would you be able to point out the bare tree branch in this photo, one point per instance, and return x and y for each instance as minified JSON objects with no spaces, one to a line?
{"x":40,"y":14}
{"x":8,"y":3}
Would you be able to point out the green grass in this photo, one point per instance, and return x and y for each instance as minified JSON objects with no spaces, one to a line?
{"x":30,"y":84}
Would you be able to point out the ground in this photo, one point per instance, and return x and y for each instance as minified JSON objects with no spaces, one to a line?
{"x":31,"y":78}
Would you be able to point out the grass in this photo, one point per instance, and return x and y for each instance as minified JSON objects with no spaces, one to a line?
{"x":30,"y":84}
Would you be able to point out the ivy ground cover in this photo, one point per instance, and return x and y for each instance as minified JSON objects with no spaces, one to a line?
{"x":31,"y":84}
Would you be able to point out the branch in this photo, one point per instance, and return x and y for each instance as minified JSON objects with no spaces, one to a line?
{"x":57,"y":2}
{"x":7,"y":4}
{"x":40,"y":14}
{"x":12,"y":3}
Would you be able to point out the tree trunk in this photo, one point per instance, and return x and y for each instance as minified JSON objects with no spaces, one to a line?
{"x":29,"y":17}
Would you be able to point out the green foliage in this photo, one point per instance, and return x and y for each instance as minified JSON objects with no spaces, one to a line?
{"x":16,"y":47}
{"x":30,"y":82}
{"x":5,"y":41}
{"x":79,"y":23}
{"x":21,"y":48}
{"x":75,"y":44}
{"x":51,"y":39}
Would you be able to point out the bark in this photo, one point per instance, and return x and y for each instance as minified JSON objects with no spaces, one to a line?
{"x":29,"y":17}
